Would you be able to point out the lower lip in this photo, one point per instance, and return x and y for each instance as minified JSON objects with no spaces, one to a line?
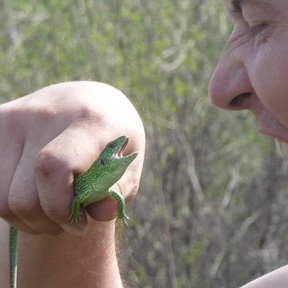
{"x":272,"y":134}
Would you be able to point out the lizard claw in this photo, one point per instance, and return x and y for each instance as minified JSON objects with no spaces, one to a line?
{"x":125,"y":219}
{"x":75,"y":217}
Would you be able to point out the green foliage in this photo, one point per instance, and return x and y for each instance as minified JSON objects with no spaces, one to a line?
{"x":206,"y":215}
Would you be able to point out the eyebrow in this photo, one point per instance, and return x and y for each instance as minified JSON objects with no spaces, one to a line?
{"x":237,"y":5}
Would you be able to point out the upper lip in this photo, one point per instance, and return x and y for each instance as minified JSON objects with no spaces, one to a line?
{"x":268,"y":125}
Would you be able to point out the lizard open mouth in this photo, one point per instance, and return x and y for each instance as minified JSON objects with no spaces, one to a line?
{"x":115,"y":150}
{"x":119,"y":153}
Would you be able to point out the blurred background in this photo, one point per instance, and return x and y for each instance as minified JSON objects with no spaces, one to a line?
{"x":211,"y":210}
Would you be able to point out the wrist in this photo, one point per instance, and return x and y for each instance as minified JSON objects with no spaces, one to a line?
{"x":72,"y":261}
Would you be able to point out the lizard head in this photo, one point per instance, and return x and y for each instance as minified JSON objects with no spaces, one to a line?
{"x":111,"y":163}
{"x":113,"y":153}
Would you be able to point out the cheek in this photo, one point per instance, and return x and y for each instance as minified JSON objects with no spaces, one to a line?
{"x":269,"y":78}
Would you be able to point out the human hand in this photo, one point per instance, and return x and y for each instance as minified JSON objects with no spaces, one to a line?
{"x":54,"y":134}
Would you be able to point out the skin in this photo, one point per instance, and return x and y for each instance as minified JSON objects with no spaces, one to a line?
{"x":47,"y":138}
{"x":252,"y":74}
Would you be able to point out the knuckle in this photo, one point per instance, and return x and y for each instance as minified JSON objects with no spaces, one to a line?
{"x":45,"y":113}
{"x":86,"y":112}
{"x":48,"y":162}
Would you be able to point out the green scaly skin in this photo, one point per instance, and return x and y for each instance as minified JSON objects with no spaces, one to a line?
{"x":94,"y":184}
{"x":90,"y":186}
{"x":13,"y":233}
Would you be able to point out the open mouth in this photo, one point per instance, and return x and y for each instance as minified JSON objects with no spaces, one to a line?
{"x":117,"y":148}
{"x":119,"y":153}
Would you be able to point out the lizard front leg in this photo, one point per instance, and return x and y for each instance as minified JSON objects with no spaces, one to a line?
{"x":76,"y":213}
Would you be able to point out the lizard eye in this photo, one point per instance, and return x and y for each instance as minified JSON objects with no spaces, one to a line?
{"x":102,"y":162}
{"x":112,"y":145}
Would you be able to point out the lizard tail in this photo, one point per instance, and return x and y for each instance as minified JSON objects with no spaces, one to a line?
{"x":13,"y":233}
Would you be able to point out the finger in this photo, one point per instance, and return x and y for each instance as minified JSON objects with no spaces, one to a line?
{"x":68,"y":155}
{"x":71,"y":153}
{"x":23,"y":196}
{"x":104,"y":210}
{"x":11,"y":147}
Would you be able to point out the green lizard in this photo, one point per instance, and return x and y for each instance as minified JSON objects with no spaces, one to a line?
{"x":94,"y":185}
{"x":90,"y":186}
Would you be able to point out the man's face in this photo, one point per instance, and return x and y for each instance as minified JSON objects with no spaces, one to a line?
{"x":252,"y":72}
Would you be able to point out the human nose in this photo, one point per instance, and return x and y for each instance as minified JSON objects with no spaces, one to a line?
{"x":230,"y":87}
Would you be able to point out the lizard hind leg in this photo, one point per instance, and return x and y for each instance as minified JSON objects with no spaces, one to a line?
{"x":120,"y":206}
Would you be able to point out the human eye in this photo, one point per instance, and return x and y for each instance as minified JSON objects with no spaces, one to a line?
{"x":254,"y":30}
